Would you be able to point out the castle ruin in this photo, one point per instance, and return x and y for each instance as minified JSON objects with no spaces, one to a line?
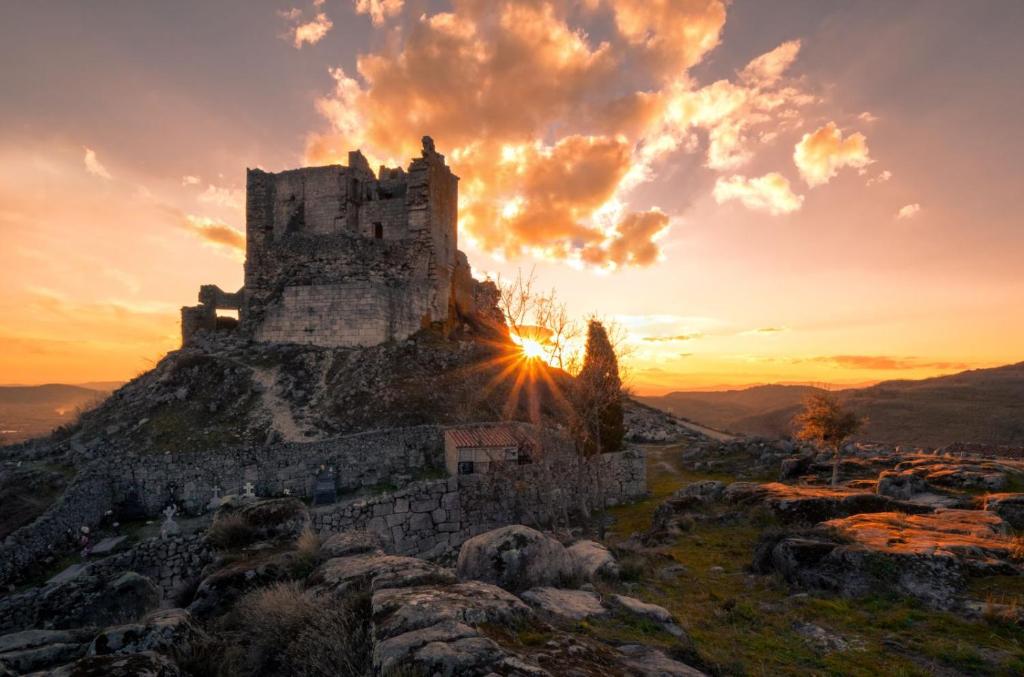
{"x":336,"y":256}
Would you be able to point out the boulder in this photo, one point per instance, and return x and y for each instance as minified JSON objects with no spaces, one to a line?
{"x":168,"y":631}
{"x":376,"y":571}
{"x":1010,"y":507}
{"x":574,"y":605}
{"x":146,"y":664}
{"x":270,"y":518}
{"x":647,"y":661}
{"x":794,"y":466}
{"x":591,"y":560}
{"x":402,"y":610}
{"x":514,"y":557}
{"x":219,"y":590}
{"x":902,"y":486}
{"x":449,"y":648}
{"x":96,"y":600}
{"x":653,"y":612}
{"x":350,"y":543}
{"x":32,"y":650}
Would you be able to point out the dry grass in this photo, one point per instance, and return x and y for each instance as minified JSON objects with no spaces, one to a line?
{"x":230,"y":530}
{"x":297,"y":632}
{"x":308,"y":543}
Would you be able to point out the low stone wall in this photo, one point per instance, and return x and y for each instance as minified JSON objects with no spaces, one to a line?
{"x":430,"y":519}
{"x":170,"y":563}
{"x":190,"y":480}
{"x":84,"y":502}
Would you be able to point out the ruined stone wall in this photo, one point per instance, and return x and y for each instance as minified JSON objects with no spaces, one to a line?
{"x":170,"y":563}
{"x":336,"y":257}
{"x":83,"y":503}
{"x":190,"y":480}
{"x":434,"y":518}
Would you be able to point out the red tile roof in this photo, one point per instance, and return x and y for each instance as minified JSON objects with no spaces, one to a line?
{"x":484,"y":436}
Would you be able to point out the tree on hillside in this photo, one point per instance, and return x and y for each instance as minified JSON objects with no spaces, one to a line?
{"x":597,"y":396}
{"x":825,"y":422}
{"x":597,"y":420}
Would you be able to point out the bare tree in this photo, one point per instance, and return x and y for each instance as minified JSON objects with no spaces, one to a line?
{"x":538,"y":315}
{"x":825,"y":422}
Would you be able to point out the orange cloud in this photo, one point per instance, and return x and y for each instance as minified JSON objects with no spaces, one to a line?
{"x":886,"y":363}
{"x":216,"y":232}
{"x":548,"y":128}
{"x":379,"y":10}
{"x":768,"y":68}
{"x":820,"y":155}
{"x":769,"y":193}
{"x":93,"y":166}
{"x":908,"y":211}
{"x":306,"y":32}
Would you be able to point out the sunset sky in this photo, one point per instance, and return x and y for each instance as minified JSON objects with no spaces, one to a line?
{"x":801,"y":191}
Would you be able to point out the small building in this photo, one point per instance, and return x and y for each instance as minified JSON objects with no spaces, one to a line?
{"x":476,"y":449}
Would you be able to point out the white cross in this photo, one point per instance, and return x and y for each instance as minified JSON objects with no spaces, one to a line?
{"x":249,"y":493}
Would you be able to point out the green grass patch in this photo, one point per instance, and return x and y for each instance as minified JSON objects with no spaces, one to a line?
{"x":745,"y":624}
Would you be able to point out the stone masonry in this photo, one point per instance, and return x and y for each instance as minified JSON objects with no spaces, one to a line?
{"x":339,"y":257}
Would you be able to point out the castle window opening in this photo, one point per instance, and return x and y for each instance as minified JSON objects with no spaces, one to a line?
{"x":378,"y":231}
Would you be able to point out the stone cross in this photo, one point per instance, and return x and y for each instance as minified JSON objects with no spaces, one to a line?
{"x":249,"y":493}
{"x":214,"y":502}
{"x":169,"y":527}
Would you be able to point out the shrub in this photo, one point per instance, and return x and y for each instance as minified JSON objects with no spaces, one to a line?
{"x":296,"y":632}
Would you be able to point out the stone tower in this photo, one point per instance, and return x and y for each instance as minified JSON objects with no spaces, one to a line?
{"x":336,"y":256}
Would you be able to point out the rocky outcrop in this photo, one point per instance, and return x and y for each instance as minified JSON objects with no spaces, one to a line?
{"x":574,"y":605}
{"x":1010,"y":507}
{"x":810,"y":505}
{"x":516,"y":558}
{"x":34,"y":650}
{"x":376,"y":571}
{"x":928,"y":557}
{"x":169,"y":631}
{"x":220,"y":589}
{"x":148,"y":664}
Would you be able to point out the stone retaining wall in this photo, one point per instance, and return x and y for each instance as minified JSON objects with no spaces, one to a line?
{"x":170,"y":563}
{"x":430,"y":519}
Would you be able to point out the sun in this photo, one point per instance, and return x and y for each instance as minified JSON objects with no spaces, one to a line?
{"x":532,"y":350}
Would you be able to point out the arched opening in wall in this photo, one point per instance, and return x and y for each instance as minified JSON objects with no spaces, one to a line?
{"x":378,"y":231}
{"x":227,"y":319}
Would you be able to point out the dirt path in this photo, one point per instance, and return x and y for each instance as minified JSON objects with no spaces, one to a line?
{"x":709,"y":432}
{"x":281,"y":419}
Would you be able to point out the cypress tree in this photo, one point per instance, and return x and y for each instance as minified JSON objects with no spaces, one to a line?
{"x":599,"y":426}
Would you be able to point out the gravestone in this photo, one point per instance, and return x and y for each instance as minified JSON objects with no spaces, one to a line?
{"x":169,"y":527}
{"x":324,"y":490}
{"x":214,"y":502}
{"x":250,"y":492}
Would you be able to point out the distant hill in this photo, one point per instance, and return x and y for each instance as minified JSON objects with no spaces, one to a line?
{"x":981,"y":405}
{"x":31,"y":411}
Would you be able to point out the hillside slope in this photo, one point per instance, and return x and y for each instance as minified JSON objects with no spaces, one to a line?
{"x":30,"y":411}
{"x":981,"y":405}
